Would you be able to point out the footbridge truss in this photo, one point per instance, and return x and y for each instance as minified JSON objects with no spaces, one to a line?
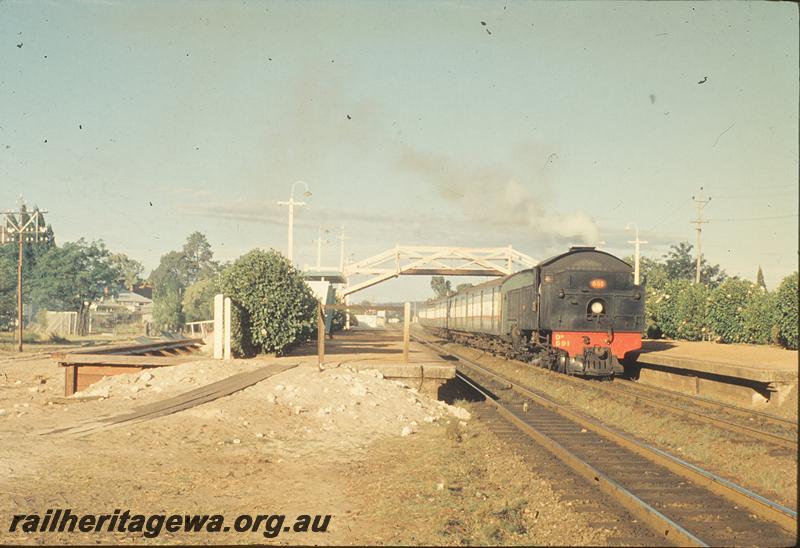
{"x":435,"y":261}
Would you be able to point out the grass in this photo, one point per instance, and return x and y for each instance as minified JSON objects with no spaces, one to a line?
{"x":468,"y":489}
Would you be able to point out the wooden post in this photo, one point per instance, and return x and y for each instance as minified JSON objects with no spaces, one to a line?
{"x":218,"y":327}
{"x":321,"y":335}
{"x":19,"y":283}
{"x":227,"y":323}
{"x":406,"y":326}
{"x":70,"y":380}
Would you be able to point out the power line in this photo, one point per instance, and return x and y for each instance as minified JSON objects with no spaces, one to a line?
{"x":669,"y":215}
{"x":795,"y":216}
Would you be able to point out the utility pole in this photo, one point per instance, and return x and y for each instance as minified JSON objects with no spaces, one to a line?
{"x":319,"y":242}
{"x":701,"y":204}
{"x":636,"y":255}
{"x":342,"y":237}
{"x":27,"y":227}
{"x":291,"y":203}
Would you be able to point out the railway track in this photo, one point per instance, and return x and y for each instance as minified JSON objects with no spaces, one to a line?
{"x":762,"y":426}
{"x":684,"y":503}
{"x":778,"y":431}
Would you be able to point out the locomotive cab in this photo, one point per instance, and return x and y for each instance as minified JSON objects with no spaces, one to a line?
{"x":591,"y":312}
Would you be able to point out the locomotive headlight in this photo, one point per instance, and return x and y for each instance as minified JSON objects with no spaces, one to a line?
{"x":597,"y":307}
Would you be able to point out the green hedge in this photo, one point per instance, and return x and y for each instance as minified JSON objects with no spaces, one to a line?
{"x":786,"y":306}
{"x":759,"y":316}
{"x":275,"y":308}
{"x":726,"y":310}
{"x":678,"y":311}
{"x":737,"y":311}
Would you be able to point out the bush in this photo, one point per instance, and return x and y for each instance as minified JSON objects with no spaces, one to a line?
{"x":276,"y":310}
{"x":241,"y":340}
{"x":655,"y":301}
{"x":690,"y":311}
{"x":786,"y":305}
{"x":728,"y":317}
{"x":678,"y":311}
{"x":759,"y":316}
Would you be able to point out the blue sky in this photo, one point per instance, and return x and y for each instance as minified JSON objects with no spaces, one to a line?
{"x":550,"y":124}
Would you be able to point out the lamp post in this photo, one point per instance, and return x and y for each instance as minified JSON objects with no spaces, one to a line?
{"x":291,"y":203}
{"x":636,"y":243}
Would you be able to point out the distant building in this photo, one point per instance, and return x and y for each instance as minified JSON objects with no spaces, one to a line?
{"x":127,"y":302}
{"x":143,"y":290}
{"x":134,"y":302}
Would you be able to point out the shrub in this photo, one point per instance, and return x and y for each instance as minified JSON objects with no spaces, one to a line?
{"x":727,"y":311}
{"x":786,"y":305}
{"x":759,"y":316}
{"x":690,"y":318}
{"x":655,"y":301}
{"x":678,"y":310}
{"x":276,"y":310}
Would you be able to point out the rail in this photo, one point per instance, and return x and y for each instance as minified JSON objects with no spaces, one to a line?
{"x":668,"y":473}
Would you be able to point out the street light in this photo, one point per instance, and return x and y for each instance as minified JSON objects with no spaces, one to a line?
{"x":291,"y":203}
{"x":636,"y":242}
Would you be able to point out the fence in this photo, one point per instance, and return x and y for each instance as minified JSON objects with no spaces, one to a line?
{"x":202,"y":328}
{"x":62,"y":323}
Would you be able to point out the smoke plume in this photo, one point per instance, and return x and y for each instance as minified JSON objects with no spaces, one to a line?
{"x":516,"y":196}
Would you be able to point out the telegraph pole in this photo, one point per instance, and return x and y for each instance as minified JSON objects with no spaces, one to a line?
{"x":291,"y":203}
{"x":26,"y":229}
{"x":342,"y":237}
{"x":319,"y":242}
{"x":701,"y":203}
{"x":636,"y":255}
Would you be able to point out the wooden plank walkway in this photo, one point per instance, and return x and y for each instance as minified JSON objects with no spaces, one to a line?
{"x":187,"y":400}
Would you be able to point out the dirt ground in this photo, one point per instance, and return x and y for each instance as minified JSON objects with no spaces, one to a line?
{"x":389,"y":465}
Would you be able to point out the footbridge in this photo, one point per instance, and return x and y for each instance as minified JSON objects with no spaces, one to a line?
{"x":404,"y":260}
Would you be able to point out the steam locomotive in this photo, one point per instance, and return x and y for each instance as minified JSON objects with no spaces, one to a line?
{"x":579,"y":313}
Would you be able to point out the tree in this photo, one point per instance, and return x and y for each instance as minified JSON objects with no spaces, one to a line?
{"x":8,"y":290}
{"x":71,"y":277}
{"x":199,"y":258}
{"x":461,"y":287}
{"x":169,"y":280}
{"x":130,"y":270}
{"x":441,"y":287}
{"x":760,"y":279}
{"x":680,"y":264}
{"x":167,"y":306}
{"x":198,"y":300}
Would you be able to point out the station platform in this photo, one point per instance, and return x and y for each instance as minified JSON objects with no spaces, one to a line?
{"x":750,"y":375}
{"x":382,"y":350}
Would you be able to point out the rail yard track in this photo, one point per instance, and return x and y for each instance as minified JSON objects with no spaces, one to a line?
{"x":747,"y":423}
{"x":684,"y":503}
{"x":761,"y":426}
